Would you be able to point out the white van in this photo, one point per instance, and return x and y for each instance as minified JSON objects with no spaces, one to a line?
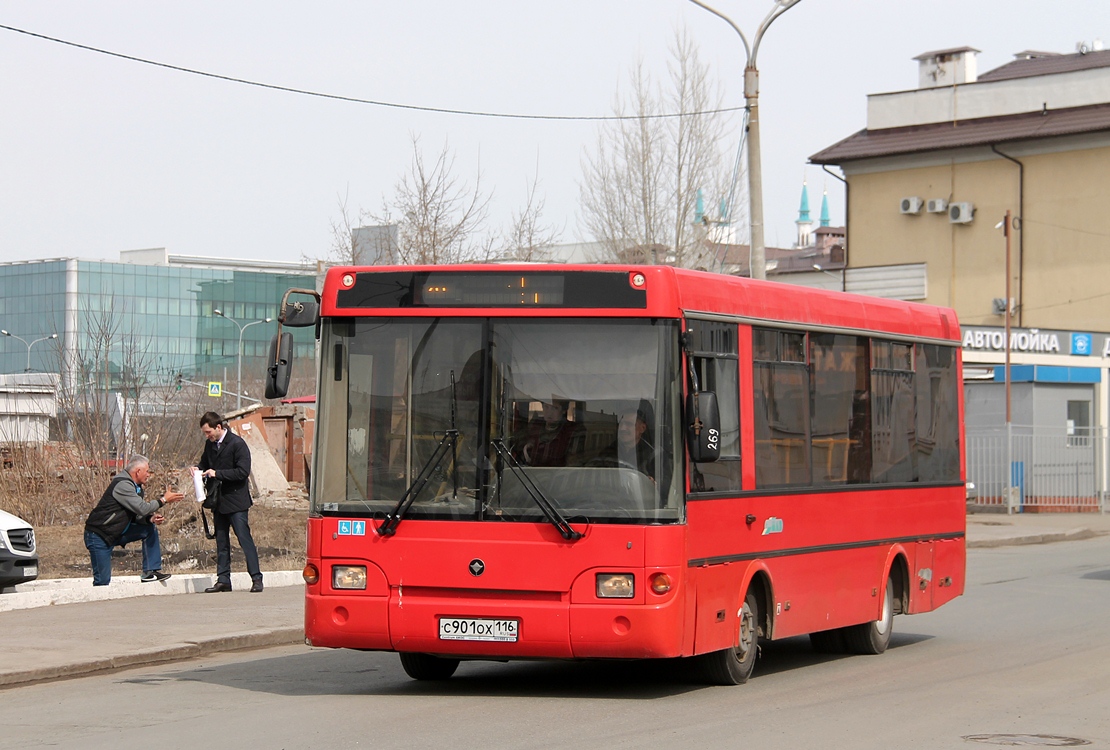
{"x":19,"y":560}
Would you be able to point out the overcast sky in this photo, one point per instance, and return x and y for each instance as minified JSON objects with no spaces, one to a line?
{"x":100,"y":154}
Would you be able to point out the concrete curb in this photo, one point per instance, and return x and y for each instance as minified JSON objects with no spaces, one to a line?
{"x":48,"y":592}
{"x":160,"y":655}
{"x":1071,"y":535}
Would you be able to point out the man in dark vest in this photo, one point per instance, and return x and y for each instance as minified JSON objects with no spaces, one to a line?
{"x":123,"y":515}
{"x":227,"y":458}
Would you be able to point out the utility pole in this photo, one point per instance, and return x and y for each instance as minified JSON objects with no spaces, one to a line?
{"x":1009,"y":420}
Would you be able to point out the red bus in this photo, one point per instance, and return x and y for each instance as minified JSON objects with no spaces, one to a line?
{"x":603,"y":462}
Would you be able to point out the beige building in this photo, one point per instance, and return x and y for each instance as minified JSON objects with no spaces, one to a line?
{"x":929,"y":182}
{"x":938,"y":167}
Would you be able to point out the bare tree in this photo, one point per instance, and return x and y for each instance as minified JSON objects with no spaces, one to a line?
{"x":640,"y":185}
{"x":344,"y":249}
{"x":435,"y":218}
{"x":96,"y":401}
{"x":441,"y":219}
{"x":111,"y":396}
{"x":528,"y":238}
{"x":354,"y":242}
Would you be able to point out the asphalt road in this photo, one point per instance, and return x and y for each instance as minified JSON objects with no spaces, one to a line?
{"x":1025,"y":652}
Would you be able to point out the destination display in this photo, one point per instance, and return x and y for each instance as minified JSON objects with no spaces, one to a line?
{"x":575,"y":289}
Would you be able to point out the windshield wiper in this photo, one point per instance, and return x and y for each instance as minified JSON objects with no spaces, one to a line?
{"x":392,"y":519}
{"x":450,"y":441}
{"x":550,"y":511}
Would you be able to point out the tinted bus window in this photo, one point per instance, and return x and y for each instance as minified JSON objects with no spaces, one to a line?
{"x":713,"y":348}
{"x":781,"y":409}
{"x":938,"y":434}
{"x":893,"y":422}
{"x":840,"y":442}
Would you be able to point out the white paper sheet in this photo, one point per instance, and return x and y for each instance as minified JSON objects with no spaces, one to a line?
{"x":198,"y":485}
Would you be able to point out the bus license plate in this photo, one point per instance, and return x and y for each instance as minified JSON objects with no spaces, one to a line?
{"x":472,"y":629}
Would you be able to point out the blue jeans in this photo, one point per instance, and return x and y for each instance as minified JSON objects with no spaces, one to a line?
{"x":225,"y":522}
{"x":101,"y":553}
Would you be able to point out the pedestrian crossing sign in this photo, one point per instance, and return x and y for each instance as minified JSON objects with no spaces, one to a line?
{"x":215,"y":389}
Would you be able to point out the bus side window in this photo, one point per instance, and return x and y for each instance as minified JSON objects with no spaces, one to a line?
{"x":893,"y":423}
{"x":714,"y":355}
{"x":841,"y":419}
{"x":782,"y":397}
{"x":938,"y":434}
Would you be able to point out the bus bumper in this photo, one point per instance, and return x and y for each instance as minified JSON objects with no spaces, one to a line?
{"x":550,"y":626}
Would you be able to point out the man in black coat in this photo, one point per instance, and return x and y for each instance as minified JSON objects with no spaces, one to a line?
{"x":227,"y":458}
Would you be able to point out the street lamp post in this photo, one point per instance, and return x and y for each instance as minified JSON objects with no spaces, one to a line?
{"x":751,"y":95}
{"x":44,"y":338}
{"x":239,"y":354}
{"x":838,"y":276}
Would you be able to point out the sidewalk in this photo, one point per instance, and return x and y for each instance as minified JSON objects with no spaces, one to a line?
{"x":65,"y":628}
{"x":47,"y":592}
{"x":51,"y":642}
{"x":1002,"y":530}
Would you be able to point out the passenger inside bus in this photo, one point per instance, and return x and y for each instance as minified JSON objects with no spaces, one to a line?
{"x":549,"y":437}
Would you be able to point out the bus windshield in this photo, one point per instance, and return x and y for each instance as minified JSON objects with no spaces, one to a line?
{"x":587,"y":410}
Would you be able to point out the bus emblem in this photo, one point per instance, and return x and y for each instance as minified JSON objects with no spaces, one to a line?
{"x":772,"y":526}
{"x":477,"y":567}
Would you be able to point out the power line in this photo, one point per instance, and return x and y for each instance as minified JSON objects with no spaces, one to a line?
{"x":1067,"y":302}
{"x":1077,"y":230}
{"x":372,"y":102}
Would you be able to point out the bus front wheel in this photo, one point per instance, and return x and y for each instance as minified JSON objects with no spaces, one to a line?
{"x":733,"y":666}
{"x":873,"y":637}
{"x":428,"y":667}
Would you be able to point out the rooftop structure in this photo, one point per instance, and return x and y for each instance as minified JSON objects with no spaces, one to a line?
{"x":1037,"y":95}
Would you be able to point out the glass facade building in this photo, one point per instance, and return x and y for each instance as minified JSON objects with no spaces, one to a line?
{"x":151,"y":316}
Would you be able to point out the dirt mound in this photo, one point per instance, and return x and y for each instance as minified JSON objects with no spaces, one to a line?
{"x":279,"y":534}
{"x":55,"y":497}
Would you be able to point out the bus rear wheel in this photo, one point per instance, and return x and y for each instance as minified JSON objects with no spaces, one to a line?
{"x":733,"y":666}
{"x":428,"y":667}
{"x":873,"y":637}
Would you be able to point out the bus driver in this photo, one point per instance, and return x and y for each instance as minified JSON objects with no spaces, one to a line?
{"x":632,"y":447}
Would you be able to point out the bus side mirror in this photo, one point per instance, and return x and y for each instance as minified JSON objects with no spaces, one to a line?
{"x":299,"y":313}
{"x":281,"y":365}
{"x":703,"y":426}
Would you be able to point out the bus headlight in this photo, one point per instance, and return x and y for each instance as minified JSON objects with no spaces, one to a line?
{"x":348,"y":577}
{"x":615,"y":585}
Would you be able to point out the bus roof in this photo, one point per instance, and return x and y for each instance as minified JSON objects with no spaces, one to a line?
{"x":676,"y":292}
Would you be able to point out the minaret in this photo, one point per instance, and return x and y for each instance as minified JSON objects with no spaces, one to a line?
{"x":805,"y":224}
{"x":825,"y":208}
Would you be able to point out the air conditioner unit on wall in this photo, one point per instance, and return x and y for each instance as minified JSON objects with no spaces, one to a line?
{"x":911,"y":205}
{"x":936,"y":205}
{"x":961,"y":213}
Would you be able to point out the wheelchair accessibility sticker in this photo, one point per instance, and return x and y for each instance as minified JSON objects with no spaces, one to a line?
{"x":352,"y":528}
{"x":772,"y":526}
